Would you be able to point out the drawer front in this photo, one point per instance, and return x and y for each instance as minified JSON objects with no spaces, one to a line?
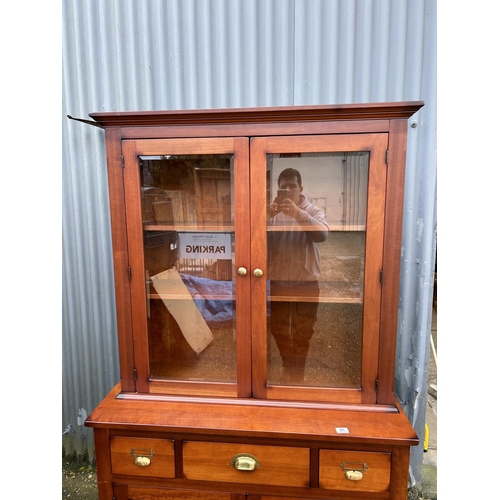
{"x":277,"y":465}
{"x":147,"y":493}
{"x":368,"y":471}
{"x":142,"y":457}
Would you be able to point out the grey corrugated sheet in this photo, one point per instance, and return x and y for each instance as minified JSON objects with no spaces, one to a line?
{"x":179,"y":54}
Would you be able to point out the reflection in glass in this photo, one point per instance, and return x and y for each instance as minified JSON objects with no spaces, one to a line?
{"x":315,"y":253}
{"x":187,"y":207}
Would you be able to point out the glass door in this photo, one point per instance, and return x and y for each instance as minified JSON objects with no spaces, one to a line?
{"x":255,"y":265}
{"x":317,"y":227}
{"x":187,"y":205}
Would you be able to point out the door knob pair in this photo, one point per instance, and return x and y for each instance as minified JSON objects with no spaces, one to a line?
{"x":258,"y":273}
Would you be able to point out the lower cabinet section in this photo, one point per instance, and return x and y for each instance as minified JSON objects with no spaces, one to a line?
{"x":190,"y":469}
{"x":231,"y":451}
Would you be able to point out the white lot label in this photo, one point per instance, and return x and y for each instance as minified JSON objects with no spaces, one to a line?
{"x":342,"y":430}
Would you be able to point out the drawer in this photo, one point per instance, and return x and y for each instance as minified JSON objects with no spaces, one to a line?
{"x":149,"y":493}
{"x":372,"y":470}
{"x":277,"y":465}
{"x":142,"y":457}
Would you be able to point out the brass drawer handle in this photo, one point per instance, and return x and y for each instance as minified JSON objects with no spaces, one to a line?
{"x":142,"y":457}
{"x":354,"y":475}
{"x":245,"y":461}
{"x":354,"y":470}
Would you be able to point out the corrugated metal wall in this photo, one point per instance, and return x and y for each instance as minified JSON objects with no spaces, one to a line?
{"x":179,"y":54}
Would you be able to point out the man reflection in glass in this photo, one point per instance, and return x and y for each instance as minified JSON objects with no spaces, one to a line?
{"x":294,"y":269}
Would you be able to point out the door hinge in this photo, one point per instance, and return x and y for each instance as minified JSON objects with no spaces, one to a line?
{"x":387,"y":157}
{"x":381,"y":276}
{"x":123,"y":162}
{"x":135,"y":374}
{"x":376,"y":385}
{"x":129,"y":272}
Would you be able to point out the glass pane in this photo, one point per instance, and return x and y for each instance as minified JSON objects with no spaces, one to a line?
{"x":315,"y":255}
{"x":187,"y":207}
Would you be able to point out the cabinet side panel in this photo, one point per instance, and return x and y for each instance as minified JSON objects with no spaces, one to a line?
{"x":391,"y":262}
{"x":120,"y":257}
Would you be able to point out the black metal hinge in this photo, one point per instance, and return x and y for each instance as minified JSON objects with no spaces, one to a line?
{"x":135,"y":374}
{"x":123,"y":162}
{"x":381,"y":276}
{"x":387,"y":157}
{"x":376,"y":385}
{"x":129,"y":272}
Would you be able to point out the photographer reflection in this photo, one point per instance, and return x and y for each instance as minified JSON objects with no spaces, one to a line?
{"x":294,"y":269}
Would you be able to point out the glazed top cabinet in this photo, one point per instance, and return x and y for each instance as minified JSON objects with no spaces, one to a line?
{"x":256,"y":250}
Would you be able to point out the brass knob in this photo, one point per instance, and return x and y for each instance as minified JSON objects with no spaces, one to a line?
{"x":258,"y":273}
{"x":245,"y":461}
{"x":242,"y":271}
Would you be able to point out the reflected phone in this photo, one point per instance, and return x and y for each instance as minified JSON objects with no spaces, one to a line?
{"x":282,"y":194}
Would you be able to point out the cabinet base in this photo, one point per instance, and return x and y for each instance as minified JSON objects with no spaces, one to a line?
{"x":209,"y":450}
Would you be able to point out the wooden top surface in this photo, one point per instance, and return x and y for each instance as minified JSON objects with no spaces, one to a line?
{"x":359,"y":111}
{"x":253,"y":420}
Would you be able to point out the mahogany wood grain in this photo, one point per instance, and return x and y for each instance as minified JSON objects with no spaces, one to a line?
{"x":134,"y":232}
{"x":120,"y":492}
{"x":334,"y":112}
{"x":253,"y":422}
{"x":241,"y":167}
{"x":392,"y":257}
{"x":314,"y":468}
{"x":258,"y":261}
{"x":148,"y":493}
{"x":120,"y":258}
{"x":334,"y":463}
{"x":374,"y":244}
{"x":103,"y":463}
{"x":374,"y":408}
{"x":399,"y":473}
{"x":255,"y":129}
{"x":278,"y":465}
{"x":193,"y":388}
{"x":159,"y":451}
{"x":304,"y":393}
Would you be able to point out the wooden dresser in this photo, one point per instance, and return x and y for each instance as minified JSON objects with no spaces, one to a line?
{"x":256,"y":257}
